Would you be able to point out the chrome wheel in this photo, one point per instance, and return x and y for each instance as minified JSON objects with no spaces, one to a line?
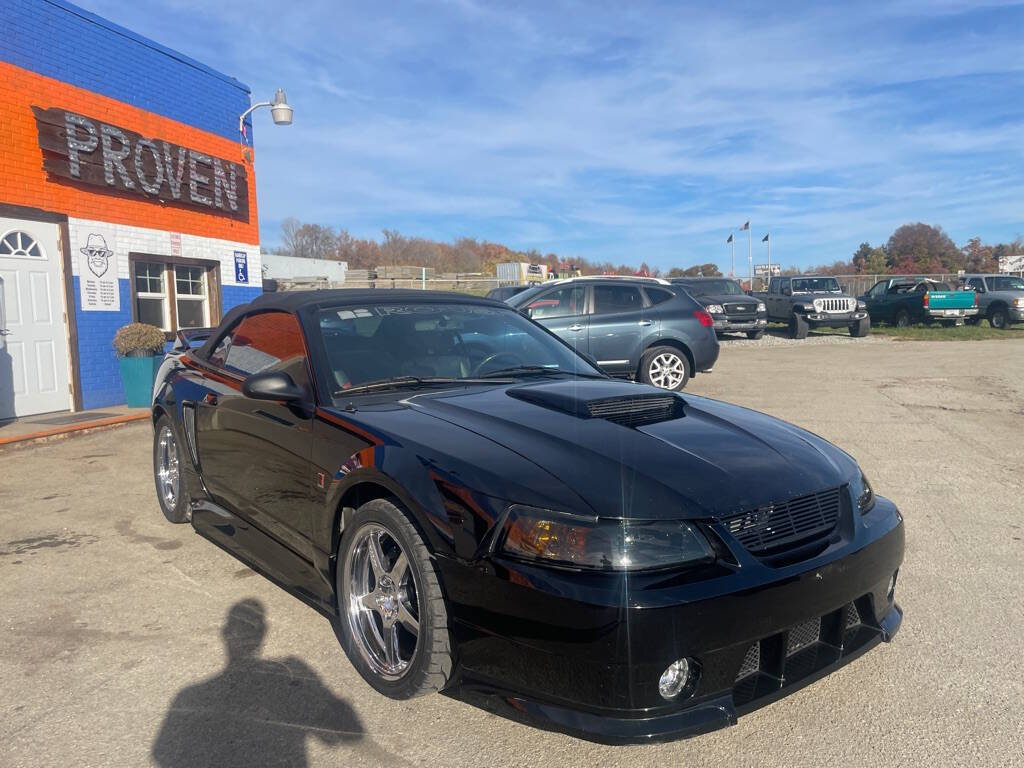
{"x":667,"y":371}
{"x":168,"y":475}
{"x":379,"y":590}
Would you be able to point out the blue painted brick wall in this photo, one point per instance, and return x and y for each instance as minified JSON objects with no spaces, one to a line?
{"x":97,"y":361}
{"x":60,"y":40}
{"x":233,"y":295}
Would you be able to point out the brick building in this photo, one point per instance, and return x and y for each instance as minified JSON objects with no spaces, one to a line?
{"x":126,"y":194}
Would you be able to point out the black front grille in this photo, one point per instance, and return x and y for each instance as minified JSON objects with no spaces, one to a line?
{"x":635,"y":411}
{"x":774,"y":528}
{"x":740,"y":309}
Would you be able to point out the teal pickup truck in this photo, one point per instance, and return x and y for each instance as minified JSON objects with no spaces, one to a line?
{"x":903,"y":301}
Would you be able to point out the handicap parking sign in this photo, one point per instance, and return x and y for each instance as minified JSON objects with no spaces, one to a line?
{"x":241,"y":267}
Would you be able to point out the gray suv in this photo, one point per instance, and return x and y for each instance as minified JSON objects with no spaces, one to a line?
{"x":641,"y":328}
{"x":1000,"y":298}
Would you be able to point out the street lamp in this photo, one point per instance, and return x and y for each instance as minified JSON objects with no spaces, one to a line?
{"x":279,"y":110}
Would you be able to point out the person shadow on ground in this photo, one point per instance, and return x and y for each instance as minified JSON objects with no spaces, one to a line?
{"x":256,"y":712}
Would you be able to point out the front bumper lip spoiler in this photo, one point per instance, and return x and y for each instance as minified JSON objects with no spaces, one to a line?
{"x":702,"y":717}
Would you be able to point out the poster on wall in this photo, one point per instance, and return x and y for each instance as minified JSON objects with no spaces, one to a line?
{"x":97,"y":270}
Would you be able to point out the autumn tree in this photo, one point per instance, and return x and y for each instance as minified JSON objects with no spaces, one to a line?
{"x":922,"y":248}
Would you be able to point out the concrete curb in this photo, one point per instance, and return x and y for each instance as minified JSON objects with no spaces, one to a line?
{"x":45,"y":435}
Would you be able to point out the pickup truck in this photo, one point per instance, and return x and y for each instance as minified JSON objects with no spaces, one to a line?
{"x":1000,"y":298}
{"x":813,"y":301}
{"x":903,"y":301}
{"x":731,"y":309}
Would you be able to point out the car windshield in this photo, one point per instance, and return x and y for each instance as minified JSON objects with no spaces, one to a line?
{"x":816,"y":285}
{"x":713,"y":288}
{"x":418,"y":344}
{"x":1006,"y":284}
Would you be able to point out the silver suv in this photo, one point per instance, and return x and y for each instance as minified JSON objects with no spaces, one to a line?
{"x":1000,"y":298}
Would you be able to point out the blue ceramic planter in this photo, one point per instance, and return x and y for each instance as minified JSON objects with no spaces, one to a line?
{"x":137,"y":377}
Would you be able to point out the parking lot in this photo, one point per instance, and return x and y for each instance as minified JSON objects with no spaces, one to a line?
{"x":113,"y":644}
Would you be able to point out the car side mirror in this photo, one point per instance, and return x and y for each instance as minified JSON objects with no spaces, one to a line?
{"x":272,"y":385}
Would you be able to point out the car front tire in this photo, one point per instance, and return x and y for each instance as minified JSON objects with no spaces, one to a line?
{"x":392,"y":617}
{"x":861,"y":328}
{"x":798,"y":327}
{"x":665,"y":368}
{"x":902,"y":319}
{"x":168,"y":462}
{"x":998,"y":319}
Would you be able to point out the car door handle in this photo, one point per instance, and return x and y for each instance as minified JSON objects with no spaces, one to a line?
{"x":5,"y":332}
{"x":645,"y":323}
{"x":576,"y":327}
{"x":210,"y":399}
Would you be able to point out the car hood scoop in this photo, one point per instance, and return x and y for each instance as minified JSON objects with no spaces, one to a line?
{"x":608,"y":403}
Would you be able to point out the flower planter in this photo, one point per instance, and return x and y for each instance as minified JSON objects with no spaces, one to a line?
{"x":137,"y":377}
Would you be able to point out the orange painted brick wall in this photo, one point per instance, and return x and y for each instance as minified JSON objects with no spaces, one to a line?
{"x":23,"y":181}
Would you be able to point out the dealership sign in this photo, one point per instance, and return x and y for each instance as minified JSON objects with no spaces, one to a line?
{"x":89,"y":151}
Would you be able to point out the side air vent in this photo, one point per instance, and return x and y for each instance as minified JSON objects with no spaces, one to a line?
{"x":636,"y":411}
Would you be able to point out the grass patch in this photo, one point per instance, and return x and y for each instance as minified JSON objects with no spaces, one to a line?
{"x":936,"y":332}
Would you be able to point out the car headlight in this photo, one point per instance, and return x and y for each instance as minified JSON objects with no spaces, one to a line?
{"x":861,"y":304}
{"x":558,"y":538}
{"x":715,"y":309}
{"x":761,"y":307}
{"x":863,"y":494}
{"x":1019,"y":303}
{"x":817,"y":305}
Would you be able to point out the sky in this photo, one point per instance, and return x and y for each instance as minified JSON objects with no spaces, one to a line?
{"x":639,"y":131}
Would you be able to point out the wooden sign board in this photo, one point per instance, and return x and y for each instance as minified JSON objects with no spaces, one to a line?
{"x":89,"y":151}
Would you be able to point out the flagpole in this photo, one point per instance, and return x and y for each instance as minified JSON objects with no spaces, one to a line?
{"x":732,"y":246}
{"x":769,"y":275}
{"x":750,"y":255}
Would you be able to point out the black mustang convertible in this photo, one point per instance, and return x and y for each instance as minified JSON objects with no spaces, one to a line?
{"x":480,"y":511}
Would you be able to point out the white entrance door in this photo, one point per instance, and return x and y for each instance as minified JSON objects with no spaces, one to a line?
{"x":33,"y":341}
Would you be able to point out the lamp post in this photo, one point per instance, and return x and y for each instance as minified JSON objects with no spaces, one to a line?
{"x":768,"y":239}
{"x":279,"y":110}
{"x":732,"y":248}
{"x":750,"y":252}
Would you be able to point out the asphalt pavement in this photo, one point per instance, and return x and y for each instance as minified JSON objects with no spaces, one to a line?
{"x":127,"y":641}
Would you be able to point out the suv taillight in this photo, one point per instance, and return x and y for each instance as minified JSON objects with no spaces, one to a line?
{"x":975,"y":297}
{"x":705,"y":319}
{"x":926,"y":300}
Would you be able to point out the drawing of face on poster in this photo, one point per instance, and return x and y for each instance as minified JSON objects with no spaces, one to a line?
{"x":97,"y":254}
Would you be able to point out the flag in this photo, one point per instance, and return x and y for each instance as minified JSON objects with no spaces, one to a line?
{"x":764,"y":239}
{"x":729,"y":240}
{"x":746,"y":226}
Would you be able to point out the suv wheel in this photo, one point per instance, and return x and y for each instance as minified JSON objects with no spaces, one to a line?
{"x":392,"y":618}
{"x":167,"y":464}
{"x":861,"y":328}
{"x":798,"y":327}
{"x":902,"y":319}
{"x":665,"y":367}
{"x":997,"y":318}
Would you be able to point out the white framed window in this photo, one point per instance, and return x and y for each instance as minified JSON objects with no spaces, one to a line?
{"x":190,"y":290}
{"x":173,"y":293}
{"x":152,"y":303}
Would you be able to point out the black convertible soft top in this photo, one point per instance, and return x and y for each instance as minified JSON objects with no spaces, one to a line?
{"x":293,"y":301}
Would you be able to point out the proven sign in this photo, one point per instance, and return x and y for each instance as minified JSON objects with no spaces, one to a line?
{"x":89,"y":151}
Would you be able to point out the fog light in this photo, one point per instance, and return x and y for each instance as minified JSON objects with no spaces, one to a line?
{"x":679,"y":676}
{"x":892,"y":584}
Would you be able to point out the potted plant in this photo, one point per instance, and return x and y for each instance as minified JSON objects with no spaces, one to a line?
{"x":140,"y":348}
